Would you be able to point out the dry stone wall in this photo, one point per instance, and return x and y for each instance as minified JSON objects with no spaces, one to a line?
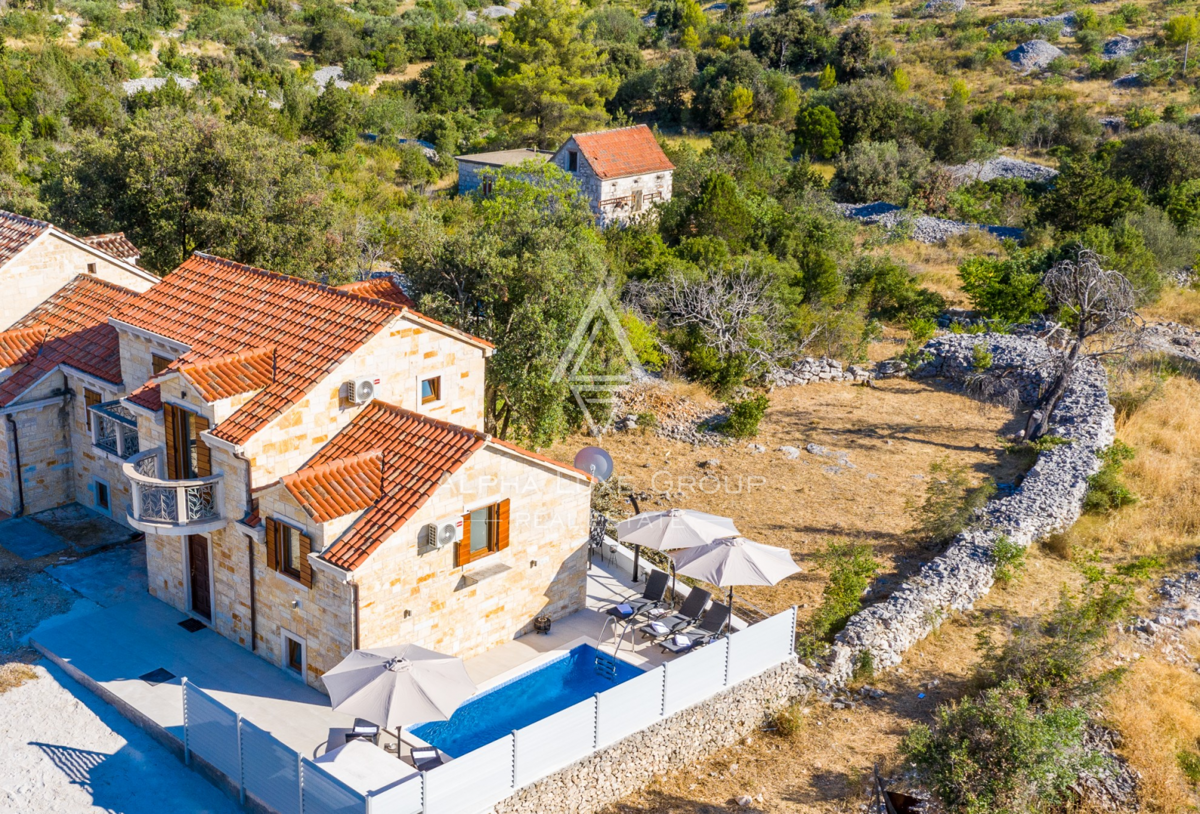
{"x":1049,"y":499}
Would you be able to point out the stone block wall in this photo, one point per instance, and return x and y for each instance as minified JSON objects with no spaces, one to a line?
{"x":47,"y":265}
{"x":612,"y":199}
{"x":43,"y":434}
{"x":90,"y":463}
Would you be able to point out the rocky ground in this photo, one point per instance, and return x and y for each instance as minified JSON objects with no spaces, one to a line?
{"x":1001,"y":167}
{"x":924,"y":228}
{"x":1035,"y":55}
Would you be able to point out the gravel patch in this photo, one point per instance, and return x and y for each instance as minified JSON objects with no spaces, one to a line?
{"x":1032,"y":56}
{"x":925,"y":228}
{"x":1001,"y":167}
{"x":153,"y":83}
{"x":70,"y":753}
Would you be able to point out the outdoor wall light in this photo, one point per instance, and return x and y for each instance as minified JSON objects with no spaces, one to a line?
{"x":533,"y":563}
{"x":296,"y":604}
{"x":407,"y":613}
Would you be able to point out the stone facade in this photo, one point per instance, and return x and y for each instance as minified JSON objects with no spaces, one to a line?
{"x":614,"y":200}
{"x":50,"y":262}
{"x":44,"y":444}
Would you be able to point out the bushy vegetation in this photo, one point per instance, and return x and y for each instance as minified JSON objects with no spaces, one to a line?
{"x":851,"y":567}
{"x":745,"y":415}
{"x":950,"y":504}
{"x":1106,"y":489}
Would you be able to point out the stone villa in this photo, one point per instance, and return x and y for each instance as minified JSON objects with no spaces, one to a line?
{"x":622,"y":172}
{"x":308,"y":463}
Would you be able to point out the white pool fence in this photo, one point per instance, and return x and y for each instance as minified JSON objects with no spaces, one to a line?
{"x":280,"y":779}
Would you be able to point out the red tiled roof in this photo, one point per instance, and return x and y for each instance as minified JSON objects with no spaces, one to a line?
{"x":524,"y":453}
{"x":623,"y":152}
{"x":417,"y":453}
{"x":381,"y":288}
{"x":219,"y":307}
{"x":114,"y":244}
{"x":234,"y":373}
{"x":17,"y":232}
{"x":20,"y":346}
{"x":339,"y":487}
{"x":74,"y":319}
{"x":149,"y":396}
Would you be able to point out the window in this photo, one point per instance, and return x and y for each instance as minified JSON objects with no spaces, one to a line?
{"x":485,"y":531}
{"x":637,"y":200}
{"x":572,"y":161}
{"x":159,"y":363}
{"x":91,"y":268}
{"x":293,"y":653}
{"x":287,"y":551}
{"x":102,"y":496}
{"x":90,"y":399}
{"x":487,"y":186}
{"x":187,"y":455}
{"x":431,"y":390}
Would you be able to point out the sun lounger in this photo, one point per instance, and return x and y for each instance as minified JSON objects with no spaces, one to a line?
{"x":709,"y":628}
{"x":687,"y":616}
{"x":652,"y":597}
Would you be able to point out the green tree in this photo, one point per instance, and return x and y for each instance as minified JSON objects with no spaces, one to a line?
{"x":550,"y":80}
{"x":1182,"y":30}
{"x":720,"y":211}
{"x":517,"y":267}
{"x":335,"y":118}
{"x":817,"y":132}
{"x":853,"y":52}
{"x":444,"y":86}
{"x":1009,"y":290}
{"x":1087,"y":192}
{"x":828,"y":78}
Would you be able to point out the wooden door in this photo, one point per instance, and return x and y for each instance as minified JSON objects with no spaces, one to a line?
{"x":198,"y":575}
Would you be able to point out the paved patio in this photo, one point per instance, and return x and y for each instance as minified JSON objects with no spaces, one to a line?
{"x":136,"y":634}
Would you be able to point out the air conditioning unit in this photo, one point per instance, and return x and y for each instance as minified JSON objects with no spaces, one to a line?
{"x":444,"y":532}
{"x":362,"y":389}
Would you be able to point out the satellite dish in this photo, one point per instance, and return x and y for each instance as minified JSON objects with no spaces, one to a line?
{"x":595,"y":461}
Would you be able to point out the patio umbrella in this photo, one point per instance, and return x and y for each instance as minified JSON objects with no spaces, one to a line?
{"x":398,"y":686}
{"x":734,"y":561}
{"x":672,"y":529}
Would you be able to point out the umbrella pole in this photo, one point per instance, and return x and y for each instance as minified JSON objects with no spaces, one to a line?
{"x":672,"y":583}
{"x":637,"y":553}
{"x":729,"y":623}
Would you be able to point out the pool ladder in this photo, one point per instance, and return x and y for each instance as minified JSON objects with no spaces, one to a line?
{"x":606,"y":666}
{"x":619,"y":628}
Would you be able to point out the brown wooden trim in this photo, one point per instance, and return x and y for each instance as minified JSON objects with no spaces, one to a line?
{"x":501,"y":536}
{"x":462,"y":550}
{"x":203,"y":453}
{"x":169,"y":422}
{"x":272,"y":545}
{"x":90,"y":399}
{"x":306,"y":572}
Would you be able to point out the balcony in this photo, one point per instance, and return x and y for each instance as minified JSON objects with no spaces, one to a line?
{"x":178,"y":507}
{"x":114,"y":429}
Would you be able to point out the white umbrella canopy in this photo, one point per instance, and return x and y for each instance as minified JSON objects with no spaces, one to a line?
{"x":734,"y":561}
{"x":674,"y":528}
{"x":399,"y":686}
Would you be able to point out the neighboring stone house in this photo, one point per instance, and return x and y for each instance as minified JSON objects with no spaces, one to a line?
{"x":291,"y":510}
{"x":471,"y":168}
{"x":622,"y":172}
{"x":37,"y":259}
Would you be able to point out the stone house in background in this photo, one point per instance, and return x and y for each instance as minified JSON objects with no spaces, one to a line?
{"x":621,"y":172}
{"x":38,"y":258}
{"x":313,"y":477}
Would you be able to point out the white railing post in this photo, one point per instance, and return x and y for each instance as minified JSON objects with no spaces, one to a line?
{"x":664,"y":690}
{"x":514,"y":759}
{"x":300,"y":779}
{"x":187,"y":755}
{"x":596,"y":722}
{"x":181,"y":504}
{"x":725,"y":682}
{"x":792,"y":633}
{"x":367,"y":803}
{"x":424,"y":791}
{"x":241,"y":762}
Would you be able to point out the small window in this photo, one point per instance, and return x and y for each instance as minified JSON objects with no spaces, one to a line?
{"x":431,"y":390}
{"x":91,"y":268}
{"x":485,"y":531}
{"x":90,"y":399}
{"x":572,"y":161}
{"x":102,"y":496}
{"x":487,"y":186}
{"x":159,"y":363}
{"x":289,"y":544}
{"x":637,"y":200}
{"x":294,"y":655}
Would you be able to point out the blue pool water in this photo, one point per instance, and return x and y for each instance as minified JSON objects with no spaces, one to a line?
{"x":538,"y":694}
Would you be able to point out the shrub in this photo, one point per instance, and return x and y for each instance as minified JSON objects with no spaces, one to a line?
{"x":851,"y":567}
{"x":1189,"y":764}
{"x":981,"y":358}
{"x":359,"y":71}
{"x":1106,"y":489}
{"x":891,"y":291}
{"x":817,"y":132}
{"x":999,"y":754}
{"x":647,"y":420}
{"x":1008,"y":290}
{"x":1009,"y":559}
{"x":789,"y":721}
{"x":879,"y":171}
{"x":950,"y":503}
{"x":922,"y":329}
{"x":745,"y":416}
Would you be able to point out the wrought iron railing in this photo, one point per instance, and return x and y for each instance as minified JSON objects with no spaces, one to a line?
{"x":114,"y":429}
{"x":163,"y":504}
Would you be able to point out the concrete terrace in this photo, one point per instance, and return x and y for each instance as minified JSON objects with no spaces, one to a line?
{"x":108,"y":649}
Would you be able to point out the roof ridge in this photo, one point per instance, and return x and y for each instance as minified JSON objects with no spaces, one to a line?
{"x":300,"y":281}
{"x":611,"y":130}
{"x":4,"y":213}
{"x":92,"y":280}
{"x":336,"y":463}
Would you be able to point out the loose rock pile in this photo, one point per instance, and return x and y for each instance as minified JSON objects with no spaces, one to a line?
{"x":1001,"y":167}
{"x":944,"y":6}
{"x":1049,"y":499}
{"x":1164,"y":627}
{"x":1173,"y":339}
{"x":1035,"y":55}
{"x":925,"y":228}
{"x":1119,"y":46}
{"x":677,"y":417}
{"x":1065,"y":23}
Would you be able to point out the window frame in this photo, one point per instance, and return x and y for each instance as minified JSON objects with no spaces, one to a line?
{"x":572,"y":161}
{"x":159,"y":363}
{"x":498,"y":531}
{"x":289,"y":535}
{"x":287,"y":638}
{"x":90,"y":399}
{"x":436,"y":397}
{"x":92,"y":268}
{"x":97,"y":485}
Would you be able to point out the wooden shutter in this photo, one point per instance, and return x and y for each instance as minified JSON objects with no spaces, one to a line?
{"x":502,"y":525}
{"x":169,"y":422}
{"x":272,"y":545}
{"x":306,"y":574}
{"x":203,"y":453}
{"x":90,"y":399}
{"x":462,"y":550}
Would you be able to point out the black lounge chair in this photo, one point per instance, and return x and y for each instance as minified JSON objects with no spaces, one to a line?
{"x":709,"y":629}
{"x":652,"y":596}
{"x":687,"y":616}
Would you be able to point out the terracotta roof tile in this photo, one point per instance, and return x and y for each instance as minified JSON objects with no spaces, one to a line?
{"x":149,"y":396}
{"x":381,"y":288}
{"x":338,"y":487}
{"x":416,"y":454}
{"x":234,"y":373}
{"x":114,"y":244}
{"x":17,"y":232}
{"x":539,"y":457}
{"x":20,"y":345}
{"x":77,"y":334}
{"x":219,"y":307}
{"x":623,"y":152}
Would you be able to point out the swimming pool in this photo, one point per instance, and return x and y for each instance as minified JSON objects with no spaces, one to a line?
{"x":528,"y":698}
